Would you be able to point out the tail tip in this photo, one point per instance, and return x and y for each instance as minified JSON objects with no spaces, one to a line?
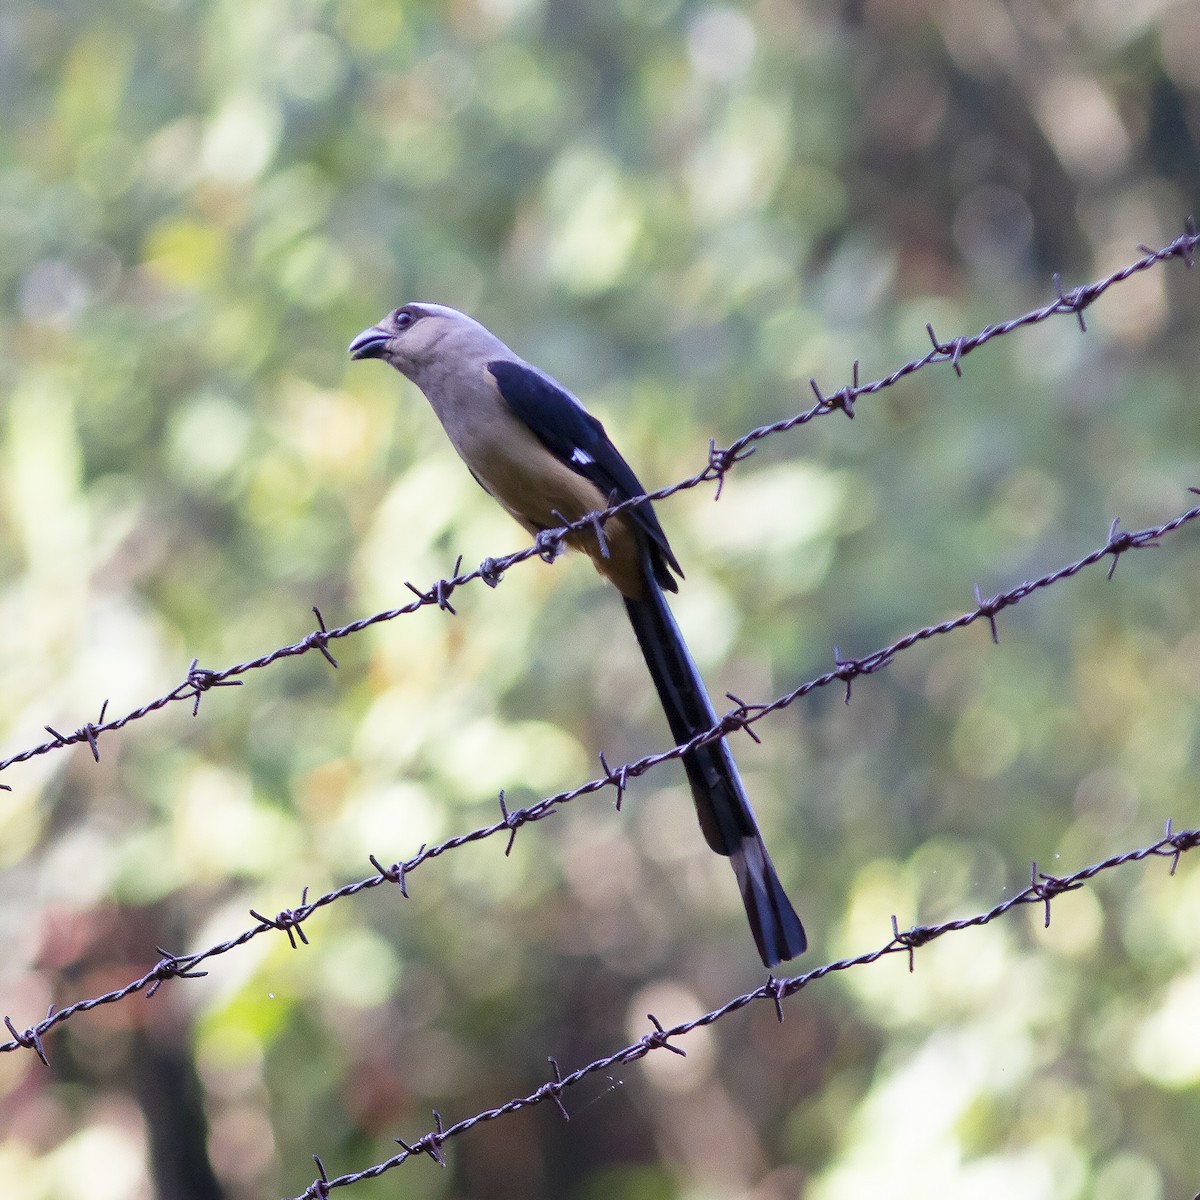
{"x":790,"y":941}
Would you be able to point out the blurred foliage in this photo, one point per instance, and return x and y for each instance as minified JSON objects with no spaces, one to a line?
{"x":683,"y":210}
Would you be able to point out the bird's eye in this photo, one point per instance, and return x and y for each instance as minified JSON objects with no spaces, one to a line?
{"x":402,"y":319}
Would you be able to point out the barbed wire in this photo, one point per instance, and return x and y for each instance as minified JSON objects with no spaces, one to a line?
{"x":743,"y":716}
{"x":1042,"y":889}
{"x":551,"y":542}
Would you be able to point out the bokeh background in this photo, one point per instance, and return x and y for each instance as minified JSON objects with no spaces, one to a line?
{"x":683,"y":210}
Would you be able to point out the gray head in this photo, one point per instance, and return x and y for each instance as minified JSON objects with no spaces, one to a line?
{"x":420,"y":337}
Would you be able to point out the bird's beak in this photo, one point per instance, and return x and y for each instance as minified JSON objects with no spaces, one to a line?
{"x":371,"y":343}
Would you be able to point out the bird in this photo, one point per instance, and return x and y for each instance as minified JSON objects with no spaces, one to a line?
{"x":534,"y":448}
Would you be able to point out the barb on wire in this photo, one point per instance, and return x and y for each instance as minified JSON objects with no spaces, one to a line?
{"x":743,"y":716}
{"x":171,"y":966}
{"x":1042,"y":889}
{"x":289,"y":921}
{"x":550,"y":543}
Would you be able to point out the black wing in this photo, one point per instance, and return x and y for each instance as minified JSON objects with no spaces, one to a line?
{"x":576,"y":438}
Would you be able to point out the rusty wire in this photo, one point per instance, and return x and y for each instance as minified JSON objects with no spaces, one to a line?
{"x":742,"y":716}
{"x":550,"y":542}
{"x":1042,"y":889}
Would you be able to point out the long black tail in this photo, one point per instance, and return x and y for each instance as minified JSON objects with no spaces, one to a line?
{"x":721,"y":804}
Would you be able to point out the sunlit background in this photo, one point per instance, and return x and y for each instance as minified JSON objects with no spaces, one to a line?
{"x":684,"y":211}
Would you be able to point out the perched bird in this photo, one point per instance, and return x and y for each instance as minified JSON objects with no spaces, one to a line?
{"x":548,"y":461}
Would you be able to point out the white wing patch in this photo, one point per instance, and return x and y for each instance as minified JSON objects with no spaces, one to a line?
{"x":581,"y":457}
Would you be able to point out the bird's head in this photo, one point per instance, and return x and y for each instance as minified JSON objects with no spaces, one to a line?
{"x":416,"y":336}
